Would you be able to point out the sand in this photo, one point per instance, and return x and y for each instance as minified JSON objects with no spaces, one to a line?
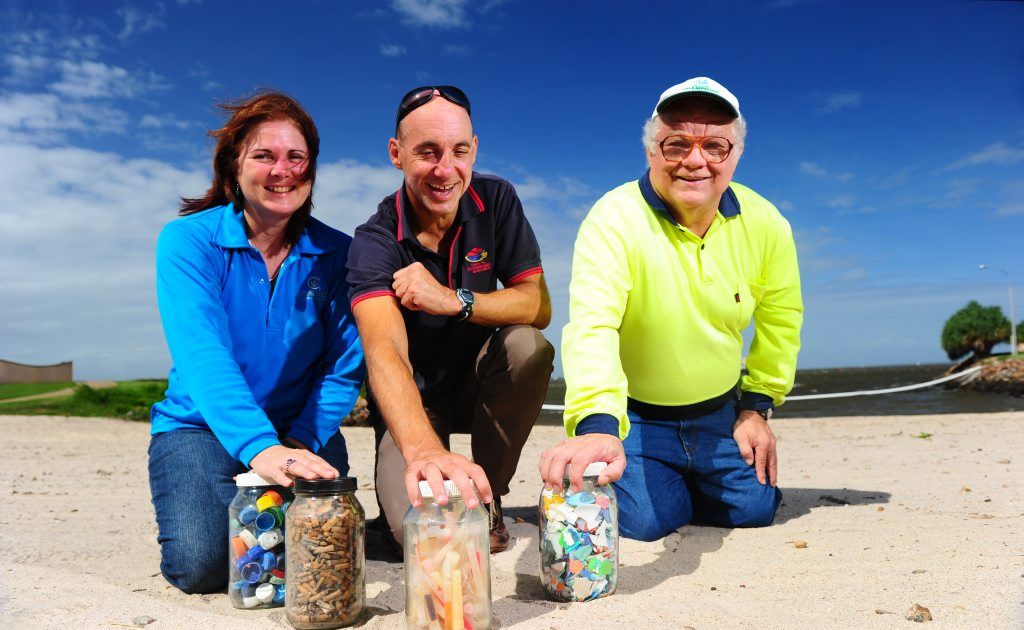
{"x":889,"y":519}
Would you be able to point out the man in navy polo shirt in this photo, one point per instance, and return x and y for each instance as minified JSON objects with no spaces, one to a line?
{"x":446,"y":349}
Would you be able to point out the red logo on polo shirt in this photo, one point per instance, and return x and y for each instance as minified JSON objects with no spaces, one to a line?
{"x":476,"y":257}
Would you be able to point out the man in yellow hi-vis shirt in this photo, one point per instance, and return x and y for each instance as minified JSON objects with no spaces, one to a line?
{"x":667,"y":272}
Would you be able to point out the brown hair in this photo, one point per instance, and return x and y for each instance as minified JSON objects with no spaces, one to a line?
{"x":246,"y":115}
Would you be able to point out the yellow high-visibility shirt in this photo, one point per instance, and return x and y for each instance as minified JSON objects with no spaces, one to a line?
{"x":656,"y":313}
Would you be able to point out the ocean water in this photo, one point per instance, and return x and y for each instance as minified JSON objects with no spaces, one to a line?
{"x":931,"y":400}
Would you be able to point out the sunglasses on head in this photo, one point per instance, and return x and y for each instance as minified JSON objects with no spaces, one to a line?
{"x":420,"y":96}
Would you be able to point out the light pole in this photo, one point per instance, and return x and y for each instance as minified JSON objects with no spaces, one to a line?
{"x":1013,"y":311}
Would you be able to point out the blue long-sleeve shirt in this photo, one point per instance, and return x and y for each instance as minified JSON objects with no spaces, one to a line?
{"x":255,"y":366}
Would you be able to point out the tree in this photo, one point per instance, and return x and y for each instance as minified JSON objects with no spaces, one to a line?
{"x":974,"y":328}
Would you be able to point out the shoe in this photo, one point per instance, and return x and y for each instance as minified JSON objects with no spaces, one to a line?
{"x":500,"y":538}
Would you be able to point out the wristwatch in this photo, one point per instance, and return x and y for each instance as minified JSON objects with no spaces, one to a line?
{"x":467,"y":299}
{"x":765,"y":413}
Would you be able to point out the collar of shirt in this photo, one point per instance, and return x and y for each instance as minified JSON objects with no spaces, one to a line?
{"x":470,"y":205}
{"x":729,"y":205}
{"x":230,"y":234}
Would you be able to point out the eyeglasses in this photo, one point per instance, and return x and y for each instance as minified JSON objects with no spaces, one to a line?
{"x":420,"y":96}
{"x":715,"y":149}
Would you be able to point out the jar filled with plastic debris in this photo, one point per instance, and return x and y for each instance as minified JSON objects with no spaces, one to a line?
{"x":326,"y":541}
{"x":447,"y":563}
{"x":256,"y":542}
{"x":579,"y":539}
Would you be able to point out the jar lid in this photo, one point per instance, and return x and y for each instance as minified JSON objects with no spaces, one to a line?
{"x":449,"y":487}
{"x":325,"y":486}
{"x":253,"y":479}
{"x":592,"y":470}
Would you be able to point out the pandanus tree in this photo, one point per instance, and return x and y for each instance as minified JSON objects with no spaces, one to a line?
{"x":974,"y":328}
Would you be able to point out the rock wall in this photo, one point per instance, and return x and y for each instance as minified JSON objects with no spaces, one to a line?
{"x":11,"y":372}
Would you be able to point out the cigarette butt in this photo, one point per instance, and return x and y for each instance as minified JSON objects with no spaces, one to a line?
{"x":456,"y":603}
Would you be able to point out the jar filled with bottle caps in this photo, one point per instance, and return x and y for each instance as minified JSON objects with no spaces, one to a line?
{"x":579,"y":539}
{"x":326,"y":555}
{"x":447,"y":563}
{"x":256,"y":546}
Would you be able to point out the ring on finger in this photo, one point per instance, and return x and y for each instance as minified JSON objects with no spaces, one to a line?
{"x":288,"y":464}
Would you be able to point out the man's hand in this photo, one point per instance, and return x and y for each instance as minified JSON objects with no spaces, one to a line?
{"x":436,"y":464}
{"x":581,"y":451}
{"x":419,"y":291}
{"x":757,"y":445}
{"x":272,"y":463}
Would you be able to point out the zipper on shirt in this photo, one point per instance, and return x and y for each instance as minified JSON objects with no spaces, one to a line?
{"x":271,"y":289}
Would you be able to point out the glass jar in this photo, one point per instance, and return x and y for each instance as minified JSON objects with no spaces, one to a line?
{"x":256,"y":542}
{"x":579,"y":539}
{"x":447,"y":563}
{"x":326,"y":555}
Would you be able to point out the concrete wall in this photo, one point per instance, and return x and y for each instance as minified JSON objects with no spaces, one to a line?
{"x":11,"y":372}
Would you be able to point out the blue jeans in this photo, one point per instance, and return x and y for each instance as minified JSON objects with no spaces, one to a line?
{"x":686,"y":470}
{"x":191,"y":480}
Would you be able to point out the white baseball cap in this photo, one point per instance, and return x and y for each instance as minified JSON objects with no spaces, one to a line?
{"x":700,"y":86}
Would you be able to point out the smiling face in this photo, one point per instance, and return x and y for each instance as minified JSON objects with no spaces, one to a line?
{"x":435,"y":149}
{"x":693,"y":185}
{"x":272,"y":166}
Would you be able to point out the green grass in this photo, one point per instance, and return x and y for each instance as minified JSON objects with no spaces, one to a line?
{"x":17,"y":390}
{"x":129,"y":399}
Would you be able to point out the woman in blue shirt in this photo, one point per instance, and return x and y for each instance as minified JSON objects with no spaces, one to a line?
{"x":267,"y":361}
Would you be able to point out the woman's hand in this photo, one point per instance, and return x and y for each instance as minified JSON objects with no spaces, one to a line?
{"x":282,"y":464}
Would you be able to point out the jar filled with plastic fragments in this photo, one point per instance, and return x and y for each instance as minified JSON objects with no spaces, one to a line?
{"x":256,"y":542}
{"x":447,"y":564}
{"x":326,"y":540}
{"x":579,"y":539}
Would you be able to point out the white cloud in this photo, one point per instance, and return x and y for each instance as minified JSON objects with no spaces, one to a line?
{"x":25,"y":68}
{"x":812,"y":168}
{"x":150,"y":121}
{"x":137,"y":22}
{"x":77,"y":263}
{"x":999,"y":153}
{"x":842,"y":201}
{"x":831,"y":103}
{"x":347,"y":192}
{"x":392,"y":50}
{"x":437,"y":13}
{"x":90,"y":79}
{"x":45,"y":118}
{"x":1011,"y":209}
{"x":819,"y":264}
{"x":817,"y":170}
{"x":457,"y":50}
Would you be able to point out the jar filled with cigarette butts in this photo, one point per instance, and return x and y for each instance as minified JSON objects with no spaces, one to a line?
{"x":579,"y":539}
{"x":326,"y":533}
{"x":447,"y":563}
{"x":256,"y":542}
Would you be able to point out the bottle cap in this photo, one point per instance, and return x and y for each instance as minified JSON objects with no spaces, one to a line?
{"x":450,"y":489}
{"x":592,"y":470}
{"x":265,"y":592}
{"x":325,"y":486}
{"x":265,"y":522}
{"x":253,"y":479}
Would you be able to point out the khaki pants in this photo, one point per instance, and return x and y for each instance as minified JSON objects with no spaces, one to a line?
{"x":497,"y":403}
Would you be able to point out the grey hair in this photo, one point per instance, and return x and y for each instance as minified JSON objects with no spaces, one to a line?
{"x":654,"y":125}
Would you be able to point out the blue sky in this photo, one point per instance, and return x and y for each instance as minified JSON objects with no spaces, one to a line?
{"x":890,"y":134}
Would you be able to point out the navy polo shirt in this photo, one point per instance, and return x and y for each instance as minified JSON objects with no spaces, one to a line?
{"x":493,"y":243}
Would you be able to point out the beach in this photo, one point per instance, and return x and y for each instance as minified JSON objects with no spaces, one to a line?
{"x":879,"y":513}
